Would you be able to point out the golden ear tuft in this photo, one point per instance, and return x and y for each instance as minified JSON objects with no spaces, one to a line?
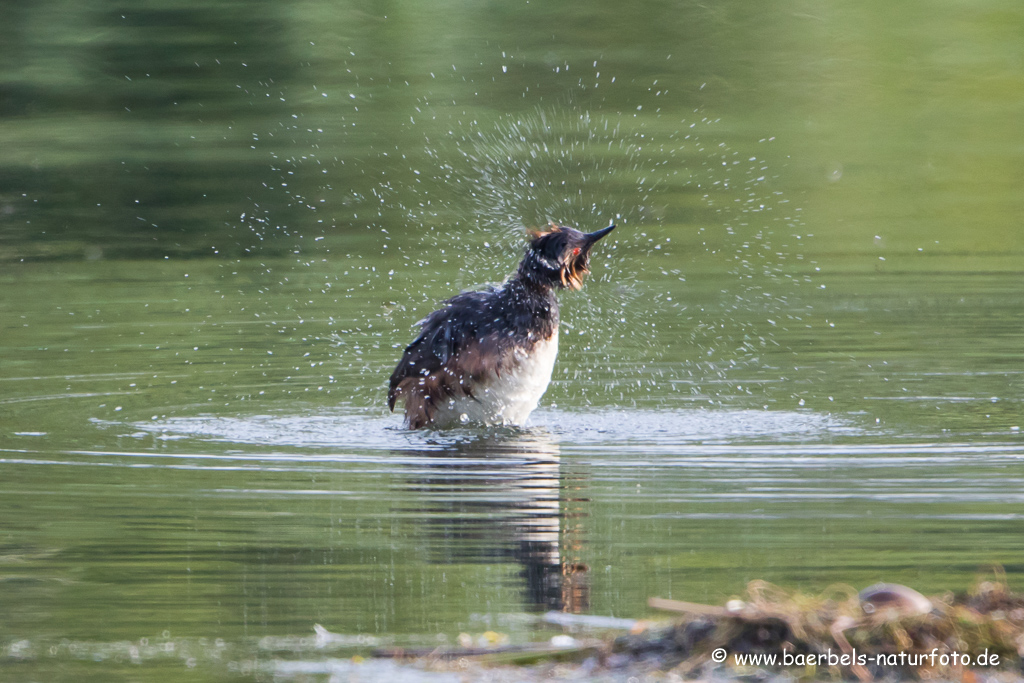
{"x":535,"y":233}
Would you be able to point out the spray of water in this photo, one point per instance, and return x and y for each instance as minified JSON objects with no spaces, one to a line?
{"x":681,"y":195}
{"x":495,"y":179}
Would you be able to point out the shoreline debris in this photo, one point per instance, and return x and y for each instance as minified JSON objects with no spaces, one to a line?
{"x":872,"y":627}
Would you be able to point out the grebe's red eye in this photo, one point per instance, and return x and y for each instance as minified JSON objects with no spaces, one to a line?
{"x":576,"y":251}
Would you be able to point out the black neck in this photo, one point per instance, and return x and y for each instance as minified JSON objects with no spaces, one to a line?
{"x":531,"y":289}
{"x":538,"y":272}
{"x":534,"y":306}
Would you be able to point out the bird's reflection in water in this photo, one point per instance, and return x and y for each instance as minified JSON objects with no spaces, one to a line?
{"x":502,"y":496}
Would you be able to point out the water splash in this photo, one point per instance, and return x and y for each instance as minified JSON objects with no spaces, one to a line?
{"x":684,"y":198}
{"x":369,"y":430}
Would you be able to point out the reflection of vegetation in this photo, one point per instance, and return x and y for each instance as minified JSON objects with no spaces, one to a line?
{"x":905,"y":134}
{"x":122,"y":130}
{"x":149,"y":128}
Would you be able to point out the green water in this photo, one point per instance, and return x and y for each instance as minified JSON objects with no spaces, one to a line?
{"x":798,"y":358}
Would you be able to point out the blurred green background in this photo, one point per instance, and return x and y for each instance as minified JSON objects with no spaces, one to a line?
{"x":797,"y":359}
{"x":146,"y":129}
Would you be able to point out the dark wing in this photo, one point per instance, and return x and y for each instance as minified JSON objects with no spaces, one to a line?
{"x":457,"y":347}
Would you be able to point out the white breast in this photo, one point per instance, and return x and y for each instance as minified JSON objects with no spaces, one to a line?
{"x":510,"y":398}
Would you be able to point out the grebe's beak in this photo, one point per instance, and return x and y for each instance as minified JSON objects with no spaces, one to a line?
{"x":592,"y":237}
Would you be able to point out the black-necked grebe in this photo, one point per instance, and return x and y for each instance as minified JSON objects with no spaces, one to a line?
{"x":486,"y":357}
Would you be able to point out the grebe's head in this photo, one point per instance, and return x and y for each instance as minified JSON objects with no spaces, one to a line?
{"x":560,"y":256}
